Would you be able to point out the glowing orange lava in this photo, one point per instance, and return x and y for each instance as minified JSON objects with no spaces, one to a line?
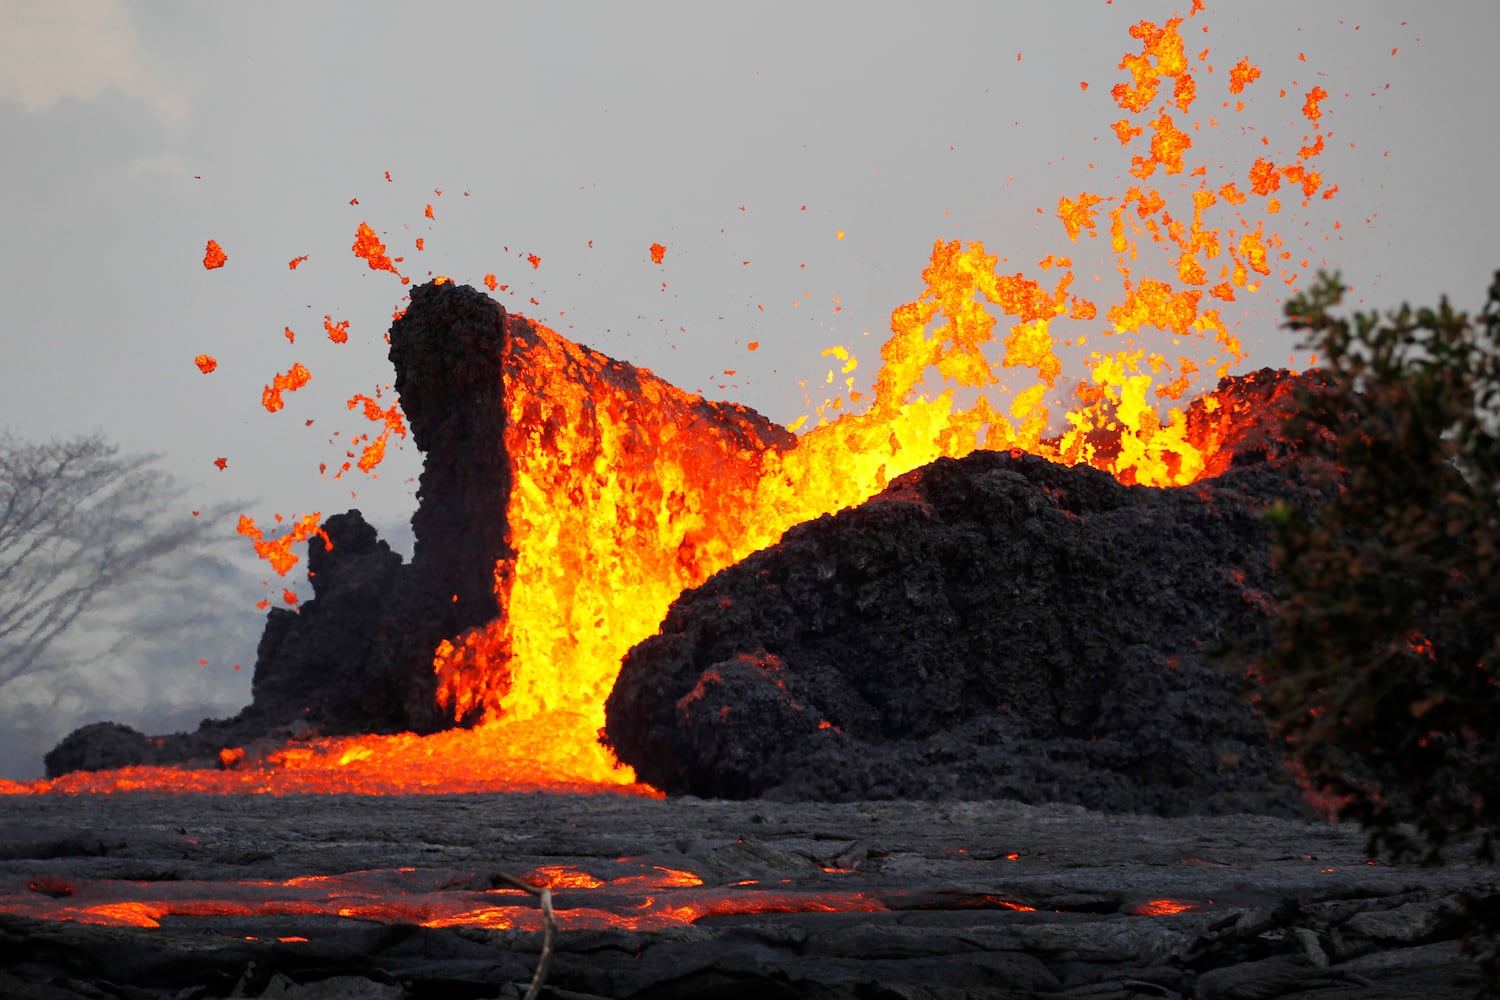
{"x":558,"y":647}
{"x":294,"y":378}
{"x":392,"y":422}
{"x":214,"y":256}
{"x":1164,"y":907}
{"x":337,"y":332}
{"x":1241,"y":74}
{"x":656,"y":899}
{"x":278,"y":551}
{"x":368,"y":247}
{"x":651,"y":510}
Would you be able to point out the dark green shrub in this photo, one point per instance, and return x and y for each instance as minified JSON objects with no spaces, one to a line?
{"x":1383,"y":672}
{"x":1383,"y":668}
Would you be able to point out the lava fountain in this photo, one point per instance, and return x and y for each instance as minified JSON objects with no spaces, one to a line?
{"x":620,"y":491}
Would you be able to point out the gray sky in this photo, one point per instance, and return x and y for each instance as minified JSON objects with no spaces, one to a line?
{"x":133,"y":132}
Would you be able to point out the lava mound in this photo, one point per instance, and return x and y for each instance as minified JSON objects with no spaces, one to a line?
{"x":996,"y":626}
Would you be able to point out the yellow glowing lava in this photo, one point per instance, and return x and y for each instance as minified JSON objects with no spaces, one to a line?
{"x":618,"y":503}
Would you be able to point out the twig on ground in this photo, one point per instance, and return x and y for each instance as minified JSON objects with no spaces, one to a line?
{"x":549,"y":929}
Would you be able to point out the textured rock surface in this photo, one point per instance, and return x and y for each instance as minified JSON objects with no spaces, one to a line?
{"x":996,"y":626}
{"x":448,"y":351}
{"x":392,"y":897}
{"x":311,"y":660}
{"x":100,"y":746}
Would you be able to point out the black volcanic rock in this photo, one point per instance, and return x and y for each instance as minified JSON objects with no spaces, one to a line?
{"x":311,"y":664}
{"x":99,"y":746}
{"x":448,"y":350}
{"x":994,"y":626}
{"x":310,"y":661}
{"x":357,"y":657}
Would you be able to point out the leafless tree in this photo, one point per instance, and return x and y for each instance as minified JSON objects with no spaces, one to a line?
{"x":81,"y":526}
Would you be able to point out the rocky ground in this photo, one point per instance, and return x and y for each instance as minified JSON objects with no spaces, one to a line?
{"x":398,"y":896}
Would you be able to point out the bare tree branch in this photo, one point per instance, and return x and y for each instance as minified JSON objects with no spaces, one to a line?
{"x":80,"y":526}
{"x":549,"y":929}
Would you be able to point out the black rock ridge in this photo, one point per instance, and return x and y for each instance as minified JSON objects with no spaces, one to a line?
{"x":991,"y":627}
{"x":357,"y":656}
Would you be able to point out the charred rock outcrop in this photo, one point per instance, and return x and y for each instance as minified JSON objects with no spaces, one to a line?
{"x":994,"y":626}
{"x":100,"y":746}
{"x":357,"y":657}
{"x":448,"y":350}
{"x":310,"y":660}
{"x":311,"y":664}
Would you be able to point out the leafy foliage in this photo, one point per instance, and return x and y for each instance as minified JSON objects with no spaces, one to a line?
{"x":1383,"y":672}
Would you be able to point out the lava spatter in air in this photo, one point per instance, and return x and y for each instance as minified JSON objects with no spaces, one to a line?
{"x":943,"y":336}
{"x":214,"y":256}
{"x":369,"y":248}
{"x":278,"y":551}
{"x":293,"y":379}
{"x":391,"y":421}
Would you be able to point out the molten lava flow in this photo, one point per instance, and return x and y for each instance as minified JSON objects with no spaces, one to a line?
{"x":1164,"y":907}
{"x":535,"y":755}
{"x":653,"y":898}
{"x":615,"y":511}
{"x":625,"y":492}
